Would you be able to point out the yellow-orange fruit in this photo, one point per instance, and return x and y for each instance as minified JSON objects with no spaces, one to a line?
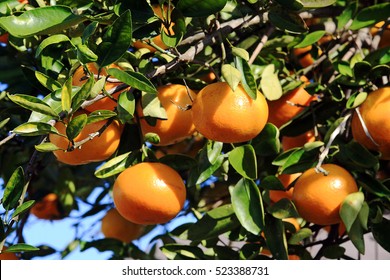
{"x":286,"y":180}
{"x":297,"y":141}
{"x":149,"y":193}
{"x":224,"y":115}
{"x":318,"y":197}
{"x":7,"y":256}
{"x":48,"y":208}
{"x":375,"y":114}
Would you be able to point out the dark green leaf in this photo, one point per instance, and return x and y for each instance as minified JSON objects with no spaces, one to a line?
{"x":275,"y":237}
{"x":317,"y":3}
{"x":75,"y":126}
{"x":356,"y":234}
{"x":243,"y":160}
{"x":200,"y":8}
{"x":85,"y":54}
{"x":350,"y":208}
{"x":23,"y":208}
{"x":178,"y":25}
{"x":380,"y":56}
{"x":299,"y":236}
{"x":89,"y":31}
{"x":133,"y":79}
{"x":372,"y":185}
{"x":247,"y":79}
{"x":100,"y":115}
{"x":248,"y":206}
{"x":44,"y":20}
{"x":106,"y":244}
{"x":282,"y":209}
{"x":360,"y":155}
{"x":371,"y":15}
{"x":333,"y":252}
{"x":286,"y":21}
{"x":126,"y":106}
{"x":34,"y":104}
{"x":207,"y":171}
{"x":361,"y":70}
{"x":310,"y":39}
{"x":178,"y":162}
{"x":116,"y":40}
{"x":35,"y":129}
{"x":271,"y":182}
{"x":13,"y":189}
{"x":21,"y":247}
{"x":294,"y":5}
{"x":117,"y":165}
{"x":380,"y":232}
{"x":52,"y":40}
{"x":83,"y":94}
{"x":214,"y":223}
{"x":267,"y":142}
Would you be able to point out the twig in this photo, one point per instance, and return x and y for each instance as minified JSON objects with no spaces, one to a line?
{"x":8,"y":138}
{"x":261,"y":44}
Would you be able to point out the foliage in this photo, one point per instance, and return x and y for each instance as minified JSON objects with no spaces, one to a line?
{"x":250,"y":42}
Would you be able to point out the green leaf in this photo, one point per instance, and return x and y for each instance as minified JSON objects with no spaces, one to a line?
{"x":75,"y":126}
{"x":333,"y":251}
{"x":97,"y":88}
{"x":286,"y":21}
{"x":356,"y":99}
{"x":317,"y":3}
{"x":371,"y":15}
{"x":21,"y":247}
{"x":359,"y":155}
{"x":213,"y":150}
{"x":380,"y":231}
{"x":299,"y":236}
{"x":310,"y":39}
{"x":356,"y":234}
{"x":248,"y":206}
{"x":47,"y":82}
{"x":52,"y":40}
{"x":116,"y":165}
{"x":347,"y":14}
{"x":85,"y":54}
{"x":243,"y":160}
{"x":100,"y":115}
{"x":178,"y":162}
{"x":178,"y":25}
{"x":372,"y":185}
{"x":23,"y":208}
{"x":344,"y":68}
{"x":294,"y":5}
{"x":126,"y":106}
{"x":267,"y":143}
{"x":35,"y":129}
{"x":350,"y":208}
{"x":133,"y":79}
{"x":66,"y":95}
{"x":231,"y":75}
{"x":13,"y":189}
{"x":270,"y":84}
{"x":183,"y":252}
{"x":83,"y":94}
{"x":282,"y":209}
{"x":214,"y":223}
{"x":46,"y":147}
{"x":200,"y":8}
{"x":271,"y":182}
{"x":240,"y":52}
{"x":116,"y":40}
{"x":208,"y":170}
{"x":43,"y":21}
{"x":4,"y":122}
{"x":275,"y":237}
{"x":380,"y":56}
{"x":247,"y":79}
{"x":34,"y":104}
{"x":106,"y":244}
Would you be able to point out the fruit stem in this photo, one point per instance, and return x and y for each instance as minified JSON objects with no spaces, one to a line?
{"x":366,"y":131}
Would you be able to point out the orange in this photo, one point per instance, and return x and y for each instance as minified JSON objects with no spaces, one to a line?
{"x":375,"y":114}
{"x":297,"y":141}
{"x":385,"y":36}
{"x":318,"y":197}
{"x":304,"y":56}
{"x":224,"y":115}
{"x":178,"y":125}
{"x":161,"y":13}
{"x":7,"y":256}
{"x":115,"y":226}
{"x":286,"y":180}
{"x":98,"y":149}
{"x":208,"y":77}
{"x":294,"y":222}
{"x":149,"y":193}
{"x":80,"y":77}
{"x":48,"y":208}
{"x":289,"y":105}
{"x":4,"y":38}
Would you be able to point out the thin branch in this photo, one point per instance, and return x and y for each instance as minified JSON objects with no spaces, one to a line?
{"x":261,"y":44}
{"x":8,"y":138}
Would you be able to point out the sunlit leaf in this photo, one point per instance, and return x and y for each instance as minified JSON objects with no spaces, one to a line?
{"x":243,"y":160}
{"x":33,"y":103}
{"x":231,"y":75}
{"x":350,"y":208}
{"x":75,"y":126}
{"x":13,"y":189}
{"x":133,"y":79}
{"x":23,"y":208}
{"x":35,"y":129}
{"x":52,"y":40}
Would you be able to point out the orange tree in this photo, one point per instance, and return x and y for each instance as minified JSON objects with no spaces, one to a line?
{"x":251,"y":46}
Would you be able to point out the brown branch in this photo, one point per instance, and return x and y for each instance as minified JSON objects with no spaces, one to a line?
{"x":261,"y":44}
{"x":8,"y":138}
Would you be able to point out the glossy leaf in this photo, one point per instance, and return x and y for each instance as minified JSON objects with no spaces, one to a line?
{"x":183,"y":252}
{"x":214,"y":223}
{"x":282,"y":209}
{"x":178,"y":162}
{"x":47,"y":82}
{"x":75,"y":126}
{"x":116,"y":40}
{"x":52,"y":40}
{"x":247,"y":79}
{"x":360,"y":155}
{"x":310,"y":39}
{"x":83,"y":94}
{"x":347,"y":14}
{"x":23,"y":208}
{"x":207,"y":170}
{"x":267,"y":142}
{"x":356,"y":234}
{"x":371,"y":15}
{"x":380,"y":232}
{"x":286,"y":21}
{"x":133,"y":79}
{"x":275,"y":237}
{"x":299,"y":236}
{"x":372,"y":185}
{"x":126,"y":106}
{"x":294,"y":5}
{"x":271,"y":182}
{"x":66,"y":95}
{"x":116,"y":165}
{"x":34,"y":104}
{"x":231,"y":75}
{"x":356,"y":99}
{"x":178,"y":26}
{"x":200,"y":8}
{"x":240,"y":52}
{"x":46,"y":147}
{"x":13,"y":189}
{"x":248,"y":206}
{"x":350,"y":208}
{"x":317,"y":3}
{"x":100,"y":115}
{"x":34,"y":129}
{"x":44,"y":20}
{"x":243,"y":160}
{"x":85,"y":54}
{"x":270,"y":84}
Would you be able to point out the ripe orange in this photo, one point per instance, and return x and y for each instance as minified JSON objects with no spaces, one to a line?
{"x":80,"y":77}
{"x":289,"y":105}
{"x":304,"y":56}
{"x":48,"y":208}
{"x":98,"y":149}
{"x":375,"y":113}
{"x":297,"y":141}
{"x":160,"y":12}
{"x":115,"y":226}
{"x":286,"y":180}
{"x":178,"y":125}
{"x":385,"y":36}
{"x":149,"y":193}
{"x":7,"y":256}
{"x":221,"y":114}
{"x":318,"y":197}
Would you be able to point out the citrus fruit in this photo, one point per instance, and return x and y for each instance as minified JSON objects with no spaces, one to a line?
{"x":7,"y":256}
{"x":224,"y":115}
{"x":80,"y":77}
{"x":189,"y":147}
{"x":178,"y":125}
{"x":375,"y":114}
{"x":385,"y":35}
{"x":297,"y":141}
{"x":304,"y":56}
{"x":318,"y":197}
{"x":4,"y":38}
{"x":289,"y":105}
{"x":115,"y":226}
{"x":48,"y":208}
{"x":286,"y":180}
{"x":98,"y":149}
{"x":149,"y":193}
